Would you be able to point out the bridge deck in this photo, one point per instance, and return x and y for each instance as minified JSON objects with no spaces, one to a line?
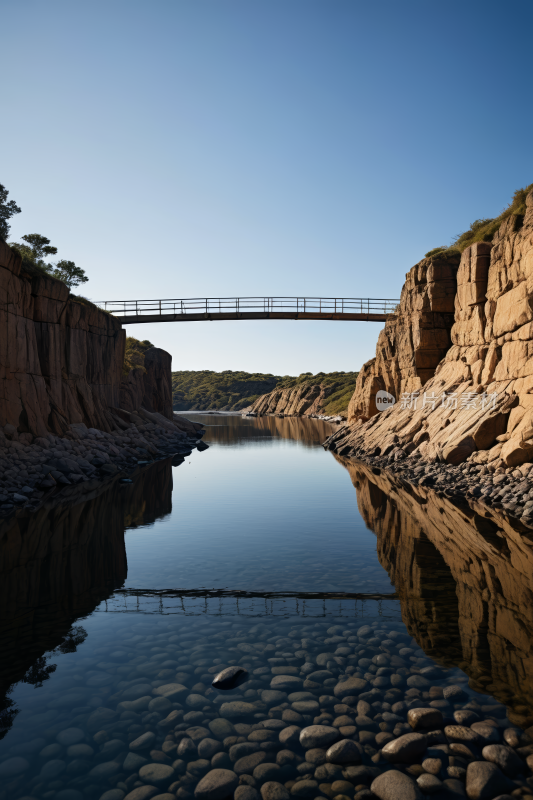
{"x":233,"y":308}
{"x":129,"y":319}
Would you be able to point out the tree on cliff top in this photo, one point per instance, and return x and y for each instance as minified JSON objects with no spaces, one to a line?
{"x":33,"y":253}
{"x":7,"y":210}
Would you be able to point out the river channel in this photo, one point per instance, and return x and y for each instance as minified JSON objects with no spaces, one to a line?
{"x":347,"y":597}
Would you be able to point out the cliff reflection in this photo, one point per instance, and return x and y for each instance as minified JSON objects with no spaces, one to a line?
{"x":59,"y":563}
{"x":232,"y":429}
{"x":464,"y":576}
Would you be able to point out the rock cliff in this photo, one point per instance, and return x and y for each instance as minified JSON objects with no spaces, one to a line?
{"x":477,"y":403}
{"x":314,"y":396}
{"x":150,"y":387}
{"x":61,"y":359}
{"x":415,"y":340}
{"x":464,"y":577}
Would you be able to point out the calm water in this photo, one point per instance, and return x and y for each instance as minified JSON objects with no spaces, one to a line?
{"x":231,"y":558}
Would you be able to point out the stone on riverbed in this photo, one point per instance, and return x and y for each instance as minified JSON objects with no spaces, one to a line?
{"x":352,"y":686}
{"x":172,"y":691}
{"x":345,"y":752}
{"x":318,"y":736}
{"x":394,"y":785}
{"x":429,"y":718}
{"x":286,"y":683}
{"x":156,"y":774}
{"x":272,"y":790}
{"x":230,"y":678}
{"x":485,"y":780}
{"x":237,"y":709}
{"x":405,"y":749}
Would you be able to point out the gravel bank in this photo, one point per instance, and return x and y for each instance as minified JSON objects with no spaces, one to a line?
{"x":32,"y":469}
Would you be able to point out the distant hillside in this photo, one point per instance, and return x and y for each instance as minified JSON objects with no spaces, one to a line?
{"x":309,"y":395}
{"x":221,"y":391}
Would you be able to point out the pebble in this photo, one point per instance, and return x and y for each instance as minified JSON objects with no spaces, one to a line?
{"x":143,"y":793}
{"x":318,"y":736}
{"x":299,"y":725}
{"x":13,"y":766}
{"x":485,"y":780}
{"x":271,"y":790}
{"x":395,"y":785}
{"x":424,"y":718}
{"x":230,"y":678}
{"x":216,"y":785}
{"x":504,"y":757}
{"x":345,"y":752}
{"x":405,"y":749}
{"x":428,"y":783}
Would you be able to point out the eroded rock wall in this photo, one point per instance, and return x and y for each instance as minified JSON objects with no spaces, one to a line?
{"x":305,"y":400}
{"x":412,"y":344}
{"x":150,"y":387}
{"x":479,"y":402}
{"x":60,"y":359}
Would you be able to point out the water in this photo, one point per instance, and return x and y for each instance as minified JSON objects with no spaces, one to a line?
{"x":258,"y":548}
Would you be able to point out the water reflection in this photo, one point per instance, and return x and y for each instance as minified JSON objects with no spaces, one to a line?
{"x":58,"y":564}
{"x":234,"y":429}
{"x":464,"y":575}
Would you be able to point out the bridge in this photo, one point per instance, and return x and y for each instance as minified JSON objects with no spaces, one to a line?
{"x":228,"y":308}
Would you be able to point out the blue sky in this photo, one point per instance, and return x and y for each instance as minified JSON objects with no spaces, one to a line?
{"x":261,"y":147}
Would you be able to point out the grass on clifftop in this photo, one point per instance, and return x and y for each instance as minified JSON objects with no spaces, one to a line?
{"x":483,"y":230}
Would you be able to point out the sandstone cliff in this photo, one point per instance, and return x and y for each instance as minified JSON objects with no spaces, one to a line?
{"x":464,"y":577}
{"x":415,"y":340}
{"x":478,"y":402}
{"x":61,"y":359}
{"x":317,"y":395}
{"x":150,"y":387}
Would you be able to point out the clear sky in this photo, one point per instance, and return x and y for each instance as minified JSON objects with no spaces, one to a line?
{"x":189,"y":148}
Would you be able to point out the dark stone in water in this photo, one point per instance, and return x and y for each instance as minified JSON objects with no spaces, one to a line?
{"x":230,"y":678}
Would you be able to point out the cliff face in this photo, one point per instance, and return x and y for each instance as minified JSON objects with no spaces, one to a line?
{"x":60,"y":360}
{"x":150,"y":388}
{"x":413,"y":343}
{"x":489,"y":362}
{"x":464,"y":578}
{"x":293,"y":402}
{"x":309,"y":396}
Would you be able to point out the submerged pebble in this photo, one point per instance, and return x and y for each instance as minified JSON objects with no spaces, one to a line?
{"x":313,"y":712}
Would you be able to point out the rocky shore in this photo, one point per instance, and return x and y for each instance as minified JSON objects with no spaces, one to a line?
{"x":332,"y":711}
{"x":31,"y":469}
{"x":507,"y":488}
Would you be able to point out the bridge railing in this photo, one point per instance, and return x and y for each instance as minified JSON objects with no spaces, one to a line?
{"x":236,"y":305}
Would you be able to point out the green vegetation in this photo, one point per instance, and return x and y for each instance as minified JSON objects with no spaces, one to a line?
{"x":221,"y":391}
{"x":35,"y":247}
{"x":342,"y":385}
{"x":233,"y":391}
{"x":134,"y":354}
{"x":483,"y":230}
{"x":33,"y":251}
{"x":8,"y":209}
